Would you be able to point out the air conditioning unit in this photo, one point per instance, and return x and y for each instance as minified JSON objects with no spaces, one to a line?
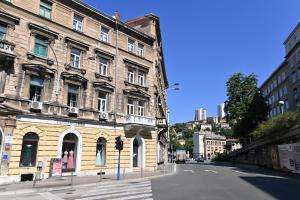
{"x":36,"y":105}
{"x":74,"y":110}
{"x":103,"y":116}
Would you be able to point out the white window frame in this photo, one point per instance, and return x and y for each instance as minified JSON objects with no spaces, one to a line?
{"x":102,"y":102}
{"x":141,"y":79}
{"x":141,"y":109}
{"x":103,"y":67}
{"x":131,"y":45}
{"x":78,"y":26}
{"x":141,"y":50}
{"x":130,"y":76}
{"x":75,"y":58}
{"x":104,"y":37}
{"x":130,"y":107}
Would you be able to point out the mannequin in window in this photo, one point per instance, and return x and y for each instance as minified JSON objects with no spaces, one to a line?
{"x":71,"y":160}
{"x":65,"y":159}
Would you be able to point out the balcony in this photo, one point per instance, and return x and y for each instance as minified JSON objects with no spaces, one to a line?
{"x":7,"y":47}
{"x":134,"y":119}
{"x":161,"y":122}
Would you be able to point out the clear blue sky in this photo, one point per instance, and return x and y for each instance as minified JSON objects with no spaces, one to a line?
{"x":206,"y":41}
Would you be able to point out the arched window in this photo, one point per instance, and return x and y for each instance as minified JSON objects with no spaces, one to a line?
{"x":101,"y":152}
{"x":69,"y":152}
{"x":29,"y":150}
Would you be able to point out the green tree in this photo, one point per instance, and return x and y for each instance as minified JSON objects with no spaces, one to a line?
{"x":245,"y":107}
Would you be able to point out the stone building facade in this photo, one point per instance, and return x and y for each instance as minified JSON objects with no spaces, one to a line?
{"x":71,"y":80}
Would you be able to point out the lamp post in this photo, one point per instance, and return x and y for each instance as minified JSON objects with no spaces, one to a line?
{"x":281,"y":104}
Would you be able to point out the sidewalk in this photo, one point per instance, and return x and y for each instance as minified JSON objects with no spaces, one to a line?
{"x":69,"y":182}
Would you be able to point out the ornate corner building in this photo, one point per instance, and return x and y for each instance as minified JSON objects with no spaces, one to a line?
{"x":71,"y":80}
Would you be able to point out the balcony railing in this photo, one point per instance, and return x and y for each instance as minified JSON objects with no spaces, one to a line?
{"x":134,"y":119}
{"x":7,"y":47}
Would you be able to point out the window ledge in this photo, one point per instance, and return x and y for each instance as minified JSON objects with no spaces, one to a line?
{"x":31,"y":56}
{"x":136,"y":86}
{"x":109,"y":78}
{"x":69,"y":67}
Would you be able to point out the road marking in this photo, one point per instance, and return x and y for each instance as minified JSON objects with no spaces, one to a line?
{"x":50,"y":196}
{"x":188,"y":170}
{"x":208,"y":170}
{"x":240,"y":172}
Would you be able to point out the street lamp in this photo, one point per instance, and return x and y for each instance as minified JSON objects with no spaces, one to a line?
{"x":281,"y":104}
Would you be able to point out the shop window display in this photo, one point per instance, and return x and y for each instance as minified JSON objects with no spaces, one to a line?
{"x":29,"y":150}
{"x":69,"y":149}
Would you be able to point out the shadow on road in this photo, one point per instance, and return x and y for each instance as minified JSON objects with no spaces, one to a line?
{"x":279,"y":188}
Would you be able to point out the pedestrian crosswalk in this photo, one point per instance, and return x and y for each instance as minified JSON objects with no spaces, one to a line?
{"x":123,"y":190}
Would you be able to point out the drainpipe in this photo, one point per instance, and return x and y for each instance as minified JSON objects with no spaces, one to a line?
{"x":116,"y":64}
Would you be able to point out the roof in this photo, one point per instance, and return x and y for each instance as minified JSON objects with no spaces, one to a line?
{"x":273,"y":73}
{"x":292,"y":33}
{"x":107,"y":17}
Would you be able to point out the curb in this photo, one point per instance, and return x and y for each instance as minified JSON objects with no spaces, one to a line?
{"x":35,"y":190}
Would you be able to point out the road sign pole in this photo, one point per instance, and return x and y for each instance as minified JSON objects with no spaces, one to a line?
{"x":119,"y":166}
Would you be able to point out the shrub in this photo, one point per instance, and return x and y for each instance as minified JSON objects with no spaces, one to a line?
{"x":277,"y":124}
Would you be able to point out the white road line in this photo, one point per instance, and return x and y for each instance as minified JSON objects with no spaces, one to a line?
{"x":133,"y":197}
{"x":240,"y":172}
{"x":49,"y":196}
{"x":208,"y":170}
{"x":119,"y":187}
{"x":188,"y":170}
{"x":110,"y":191}
{"x":119,"y":194}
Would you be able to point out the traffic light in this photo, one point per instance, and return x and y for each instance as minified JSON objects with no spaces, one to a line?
{"x":119,"y":143}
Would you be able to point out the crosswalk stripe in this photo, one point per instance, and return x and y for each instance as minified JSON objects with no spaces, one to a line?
{"x":133,"y":197}
{"x":117,"y":194}
{"x":119,"y":186}
{"x":50,"y":196}
{"x":107,"y":191}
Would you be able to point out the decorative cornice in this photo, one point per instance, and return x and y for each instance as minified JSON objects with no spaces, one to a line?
{"x":44,"y":31}
{"x":79,"y":44}
{"x":9,"y":19}
{"x":133,"y":64}
{"x":136,"y":93}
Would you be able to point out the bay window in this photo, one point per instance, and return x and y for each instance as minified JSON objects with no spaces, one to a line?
{"x":130,"y":107}
{"x":141,"y":108}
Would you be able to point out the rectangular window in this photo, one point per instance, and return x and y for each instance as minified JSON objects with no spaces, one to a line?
{"x":141,"y":79}
{"x":130,"y":76}
{"x":45,"y":9}
{"x":2,"y":31}
{"x":284,"y":90}
{"x":75,"y":57}
{"x":298,"y":74}
{"x":103,"y":66}
{"x":283,"y":76}
{"x":130,"y":45}
{"x":295,"y":93}
{"x":141,"y":108}
{"x":294,"y":77}
{"x":35,"y":89}
{"x":286,"y":105}
{"x":104,"y":34}
{"x":102,"y":102}
{"x":40,"y":47}
{"x":130,"y":107}
{"x":141,"y":50}
{"x":73,"y":96}
{"x":77,"y":23}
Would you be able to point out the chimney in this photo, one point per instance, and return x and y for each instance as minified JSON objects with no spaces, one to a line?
{"x":117,"y":16}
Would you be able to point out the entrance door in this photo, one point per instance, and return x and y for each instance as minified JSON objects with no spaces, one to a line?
{"x":135,"y":152}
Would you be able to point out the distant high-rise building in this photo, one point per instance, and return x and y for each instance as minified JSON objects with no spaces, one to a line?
{"x":200,"y":114}
{"x":221,"y":112}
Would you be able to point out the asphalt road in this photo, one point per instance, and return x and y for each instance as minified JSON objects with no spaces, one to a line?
{"x":213,"y":181}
